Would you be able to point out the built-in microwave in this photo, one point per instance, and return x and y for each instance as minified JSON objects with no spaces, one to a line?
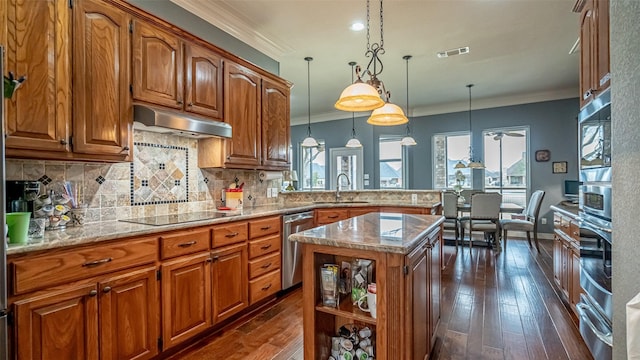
{"x":594,"y":148}
{"x":595,"y":200}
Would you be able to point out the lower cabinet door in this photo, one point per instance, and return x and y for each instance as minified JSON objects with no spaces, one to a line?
{"x":186,"y":300}
{"x":418,"y":306}
{"x":58,"y":324}
{"x":230,"y":291}
{"x":129,"y":317}
{"x":435,"y":268}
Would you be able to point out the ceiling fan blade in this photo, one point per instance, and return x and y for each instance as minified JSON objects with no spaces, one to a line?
{"x":514,"y":134}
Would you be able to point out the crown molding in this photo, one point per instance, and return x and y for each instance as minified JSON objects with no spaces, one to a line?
{"x":224,"y":17}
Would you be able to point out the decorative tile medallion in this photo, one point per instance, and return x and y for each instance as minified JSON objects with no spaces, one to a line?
{"x":159,"y":174}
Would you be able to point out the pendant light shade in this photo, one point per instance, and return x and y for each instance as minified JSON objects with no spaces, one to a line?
{"x":408,"y":140}
{"x":309,"y":141}
{"x":388,"y":115}
{"x":353,"y":142}
{"x":460,"y":165}
{"x":359,"y":96}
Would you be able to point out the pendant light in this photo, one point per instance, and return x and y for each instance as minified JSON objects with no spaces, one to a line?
{"x":473,"y":164}
{"x":366,"y":96}
{"x":353,"y":142}
{"x":408,"y":140}
{"x":309,"y":141}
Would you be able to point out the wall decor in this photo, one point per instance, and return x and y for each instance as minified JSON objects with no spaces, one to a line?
{"x":559,"y":167}
{"x":159,"y":174}
{"x":543,"y":155}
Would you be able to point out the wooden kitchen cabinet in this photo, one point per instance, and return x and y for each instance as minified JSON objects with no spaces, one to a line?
{"x":566,"y":259}
{"x":594,"y":48}
{"x":230,"y":287}
{"x":275,"y":125}
{"x":186,"y":297}
{"x":102,"y":118}
{"x":129,"y":315}
{"x":58,"y":324}
{"x":328,"y":216}
{"x":157,"y":66}
{"x":242,"y":102}
{"x":265,"y":244}
{"x":38,"y":116}
{"x":203,"y":77}
{"x":418,"y":294}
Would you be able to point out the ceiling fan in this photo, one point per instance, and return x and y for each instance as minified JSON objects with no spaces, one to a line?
{"x":497,"y":135}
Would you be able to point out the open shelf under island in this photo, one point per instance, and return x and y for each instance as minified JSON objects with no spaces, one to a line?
{"x":406,"y":255}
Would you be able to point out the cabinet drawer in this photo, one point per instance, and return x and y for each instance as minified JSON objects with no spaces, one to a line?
{"x":574,"y":229}
{"x":264,"y":246}
{"x":264,"y":264}
{"x":184,"y":242}
{"x":262,"y":227}
{"x":229,"y":234}
{"x":328,"y":216}
{"x":47,"y":270}
{"x":264,"y":286}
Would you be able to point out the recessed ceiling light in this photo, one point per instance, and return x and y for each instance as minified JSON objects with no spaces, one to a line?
{"x":357,"y":26}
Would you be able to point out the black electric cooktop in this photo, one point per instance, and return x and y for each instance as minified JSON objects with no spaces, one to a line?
{"x":161,"y":220}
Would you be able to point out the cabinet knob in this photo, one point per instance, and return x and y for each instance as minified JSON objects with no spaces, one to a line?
{"x":190,"y":104}
{"x":126,"y":148}
{"x":209,"y":260}
{"x":63,"y":142}
{"x":179,"y":102}
{"x":93,"y":293}
{"x":215,"y":258}
{"x":106,"y":289}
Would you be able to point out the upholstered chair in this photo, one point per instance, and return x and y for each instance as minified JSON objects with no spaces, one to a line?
{"x":527,"y":221}
{"x":484,"y":216}
{"x":450,"y":212}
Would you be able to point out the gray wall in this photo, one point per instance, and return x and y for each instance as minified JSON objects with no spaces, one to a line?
{"x":625,"y":110}
{"x":178,"y":16}
{"x":552,"y":126}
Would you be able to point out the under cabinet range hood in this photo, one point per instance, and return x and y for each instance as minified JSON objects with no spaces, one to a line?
{"x":150,"y":118}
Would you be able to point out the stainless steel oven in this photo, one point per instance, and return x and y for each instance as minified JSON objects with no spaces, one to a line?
{"x":596,"y":303}
{"x":594,"y":148}
{"x":595,"y":200}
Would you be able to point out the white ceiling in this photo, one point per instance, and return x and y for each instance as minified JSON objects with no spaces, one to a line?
{"x":519,"y":49}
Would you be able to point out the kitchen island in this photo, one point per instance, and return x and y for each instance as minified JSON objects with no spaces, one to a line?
{"x":405,"y":255}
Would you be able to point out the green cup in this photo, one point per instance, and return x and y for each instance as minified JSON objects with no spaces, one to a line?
{"x":18,"y":223}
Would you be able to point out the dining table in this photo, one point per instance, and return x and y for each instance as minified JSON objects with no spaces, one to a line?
{"x":505,"y":207}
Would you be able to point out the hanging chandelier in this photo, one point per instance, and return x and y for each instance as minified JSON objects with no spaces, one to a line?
{"x":408,"y":140}
{"x":473,"y":163}
{"x":372,"y":95}
{"x":309,"y":141}
{"x":353,"y":142}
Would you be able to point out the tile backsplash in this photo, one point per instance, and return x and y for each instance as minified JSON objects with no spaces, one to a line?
{"x":164,"y":178}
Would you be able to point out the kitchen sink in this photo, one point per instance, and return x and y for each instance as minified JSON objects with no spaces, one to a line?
{"x":341,"y":202}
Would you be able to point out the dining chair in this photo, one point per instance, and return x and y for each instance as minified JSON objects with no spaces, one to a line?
{"x":484,"y":216}
{"x":467,"y":194}
{"x":450,"y":212}
{"x":527,"y":221}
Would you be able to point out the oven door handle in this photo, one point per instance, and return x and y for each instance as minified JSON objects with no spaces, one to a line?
{"x":606,"y":338}
{"x":591,"y":226}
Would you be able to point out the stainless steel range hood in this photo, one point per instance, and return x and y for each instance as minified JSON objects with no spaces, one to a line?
{"x":150,"y":118}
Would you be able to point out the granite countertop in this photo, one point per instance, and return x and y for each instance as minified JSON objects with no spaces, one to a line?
{"x":567,"y":209}
{"x":381,"y":232}
{"x":112,"y":230}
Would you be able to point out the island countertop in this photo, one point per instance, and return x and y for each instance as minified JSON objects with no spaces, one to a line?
{"x":380,"y":232}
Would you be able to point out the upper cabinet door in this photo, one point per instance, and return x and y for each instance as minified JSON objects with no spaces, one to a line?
{"x":39,"y":47}
{"x":242,"y":111}
{"x":275,"y":125}
{"x":586,"y":53}
{"x":102,"y":103}
{"x":157,"y":66}
{"x":203,"y":75}
{"x":603,"y":74}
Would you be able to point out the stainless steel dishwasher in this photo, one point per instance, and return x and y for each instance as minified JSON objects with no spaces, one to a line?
{"x":291,"y":250}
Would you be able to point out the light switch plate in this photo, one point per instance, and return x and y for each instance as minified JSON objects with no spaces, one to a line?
{"x":366,"y":176}
{"x":414,"y":198}
{"x":366,"y":183}
{"x":268,"y":192}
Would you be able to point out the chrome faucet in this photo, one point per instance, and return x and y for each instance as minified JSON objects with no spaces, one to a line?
{"x":338,"y":184}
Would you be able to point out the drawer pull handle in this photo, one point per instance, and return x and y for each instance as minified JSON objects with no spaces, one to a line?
{"x":265,"y":247}
{"x":266,"y":266}
{"x":232,"y":235}
{"x":106,"y":289}
{"x":187,"y":244}
{"x":93,"y":293}
{"x":97,"y":262}
{"x":265,"y":288}
{"x":333,"y":216}
{"x":265,"y":228}
{"x":215,"y":258}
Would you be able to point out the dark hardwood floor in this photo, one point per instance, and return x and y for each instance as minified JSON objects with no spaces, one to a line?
{"x":495,"y":305}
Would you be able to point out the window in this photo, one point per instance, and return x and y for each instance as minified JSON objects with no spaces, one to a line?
{"x":506,"y":168}
{"x":349,"y":162}
{"x":312,"y":174}
{"x":391,"y":162}
{"x":448,"y":150}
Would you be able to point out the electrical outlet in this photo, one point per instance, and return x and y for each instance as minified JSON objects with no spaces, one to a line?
{"x":414,"y":198}
{"x":274,"y":192}
{"x":268,"y":192}
{"x":543,"y":221}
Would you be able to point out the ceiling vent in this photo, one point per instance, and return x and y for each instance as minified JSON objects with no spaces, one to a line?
{"x":453,"y":52}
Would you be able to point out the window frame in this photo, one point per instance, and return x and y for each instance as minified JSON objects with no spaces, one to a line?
{"x":435,"y":158}
{"x":404,"y":173}
{"x":301,"y":152}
